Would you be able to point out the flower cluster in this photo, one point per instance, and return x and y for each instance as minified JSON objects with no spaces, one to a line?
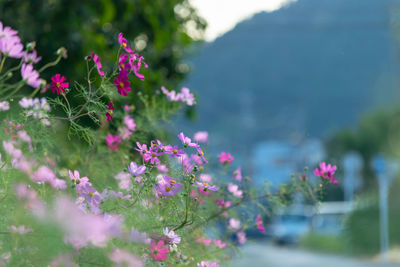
{"x":326,"y":171}
{"x":185,"y":96}
{"x":37,"y":108}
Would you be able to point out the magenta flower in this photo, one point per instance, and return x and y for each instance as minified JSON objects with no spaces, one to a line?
{"x":30,"y":75}
{"x":206,"y":186}
{"x":186,"y":141}
{"x":201,"y":137}
{"x":123,"y":42}
{"x":136,"y":170}
{"x":326,"y":171}
{"x":152,"y":156}
{"x":237,"y":174}
{"x":259,"y":224}
{"x":96,"y":60}
{"x":122,"y":64}
{"x":109,"y":111}
{"x":225,"y":158}
{"x":168,"y":186}
{"x":158,"y":251}
{"x":58,"y":83}
{"x":234,"y":189}
{"x":200,"y":153}
{"x":221,"y":203}
{"x":113,"y":141}
{"x":122,"y":83}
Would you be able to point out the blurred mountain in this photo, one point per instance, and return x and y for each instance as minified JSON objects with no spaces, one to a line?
{"x":302,"y":71}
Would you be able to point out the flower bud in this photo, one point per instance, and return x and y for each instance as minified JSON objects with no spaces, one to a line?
{"x":30,"y":47}
{"x":62,"y":51}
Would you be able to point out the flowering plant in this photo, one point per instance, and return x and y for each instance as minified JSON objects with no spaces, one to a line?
{"x":123,"y":196}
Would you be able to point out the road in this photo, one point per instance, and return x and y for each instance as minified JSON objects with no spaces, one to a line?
{"x":267,"y":255}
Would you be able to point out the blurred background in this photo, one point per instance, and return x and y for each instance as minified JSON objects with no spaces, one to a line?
{"x":280,"y":84}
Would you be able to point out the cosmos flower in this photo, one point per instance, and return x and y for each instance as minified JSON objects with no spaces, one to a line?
{"x":123,"y":42}
{"x":158,"y":251}
{"x":109,"y":112}
{"x":122,"y":83}
{"x":58,"y":83}
{"x":326,"y":171}
{"x":207,"y":264}
{"x":237,"y":174}
{"x":186,"y":141}
{"x":96,"y":60}
{"x":168,"y":186}
{"x":4,"y":105}
{"x":113,"y":141}
{"x":30,"y":76}
{"x":241,"y":236}
{"x":206,"y":186}
{"x":234,"y":224}
{"x":259,"y":224}
{"x":136,"y":170}
{"x":201,"y":137}
{"x":225,"y":158}
{"x":234,"y":189}
{"x":174,"y":238}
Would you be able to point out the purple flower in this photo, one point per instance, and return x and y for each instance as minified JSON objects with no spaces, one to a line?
{"x":31,"y":58}
{"x":152,"y":156}
{"x":30,"y":75}
{"x":173,"y":151}
{"x":168,"y":186}
{"x":123,"y":42}
{"x":135,"y":170}
{"x":141,"y":148}
{"x":11,"y":46}
{"x":206,"y":186}
{"x":186,"y":141}
{"x":174,"y":238}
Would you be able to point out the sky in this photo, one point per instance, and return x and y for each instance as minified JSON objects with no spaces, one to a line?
{"x":223,"y":15}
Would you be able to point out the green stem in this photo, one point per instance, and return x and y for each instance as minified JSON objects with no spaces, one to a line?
{"x":51,"y":64}
{"x":2,"y":63}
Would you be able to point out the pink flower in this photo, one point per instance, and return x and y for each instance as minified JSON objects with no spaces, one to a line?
{"x":201,"y":137}
{"x":96,"y":60}
{"x":205,"y":241}
{"x":11,"y":46}
{"x":30,"y":75}
{"x":206,"y":186}
{"x":7,"y":31}
{"x":130,"y":123}
{"x":44,"y":174}
{"x":162,"y":168}
{"x":127,"y":108}
{"x":109,"y":112}
{"x":113,"y":141}
{"x":173,"y":237}
{"x":173,"y":151}
{"x":31,"y":58}
{"x":123,"y":42}
{"x":205,"y":178}
{"x":259,"y":223}
{"x":234,"y":189}
{"x":234,"y":224}
{"x":241,"y":237}
{"x":187,"y":97}
{"x":222,"y":203}
{"x":137,"y":66}
{"x":186,"y":141}
{"x":237,"y":174}
{"x":207,"y":264}
{"x":225,"y":158}
{"x":141,"y":148}
{"x":122,"y":83}
{"x":4,"y":105}
{"x":58,"y":84}
{"x":123,"y":258}
{"x":157,"y":251}
{"x":219,"y":244}
{"x":326,"y":171}
{"x":168,"y":186}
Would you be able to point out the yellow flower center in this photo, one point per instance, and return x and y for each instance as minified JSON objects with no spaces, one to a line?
{"x":167,"y":189}
{"x":123,"y":45}
{"x":174,"y":151}
{"x":91,"y":194}
{"x":58,"y":84}
{"x":121,"y":84}
{"x":122,"y":66}
{"x":205,"y":185}
{"x":110,"y":111}
{"x":173,"y":182}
